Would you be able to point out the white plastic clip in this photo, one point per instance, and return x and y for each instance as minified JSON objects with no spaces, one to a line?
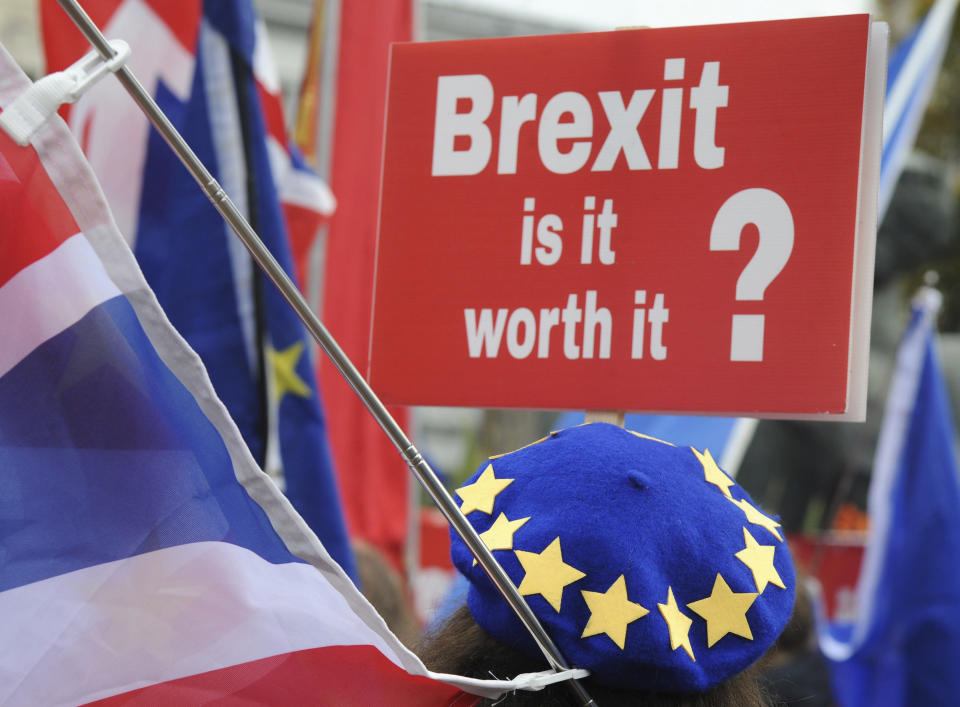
{"x":32,"y":108}
{"x":538,"y":681}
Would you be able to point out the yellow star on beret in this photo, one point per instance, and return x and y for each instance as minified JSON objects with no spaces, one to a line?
{"x":678,"y":624}
{"x":725,"y":611}
{"x":652,"y":439}
{"x":546,"y":573}
{"x":757,"y":518}
{"x":759,"y":558}
{"x":611,"y":611}
{"x":499,"y":536}
{"x":713,"y":473}
{"x":498,"y":456}
{"x":480,"y":495}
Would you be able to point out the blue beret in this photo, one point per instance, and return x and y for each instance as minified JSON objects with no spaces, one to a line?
{"x":645,"y":562}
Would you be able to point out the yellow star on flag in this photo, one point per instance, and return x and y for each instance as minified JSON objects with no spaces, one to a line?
{"x":757,"y":518}
{"x":725,"y":611}
{"x":759,"y":558}
{"x":678,"y":624}
{"x":479,"y":495}
{"x":611,"y":611}
{"x":283,"y":367}
{"x":499,"y":536}
{"x":713,"y":473}
{"x":546,"y":573}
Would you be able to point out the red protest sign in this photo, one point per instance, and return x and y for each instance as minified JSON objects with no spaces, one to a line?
{"x":642,"y":220}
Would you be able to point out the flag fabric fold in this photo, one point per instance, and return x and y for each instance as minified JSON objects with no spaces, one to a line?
{"x":209,"y":68}
{"x":901,"y":648}
{"x":144,"y":557}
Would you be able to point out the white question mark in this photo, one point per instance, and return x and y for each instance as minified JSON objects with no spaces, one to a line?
{"x":770,"y":214}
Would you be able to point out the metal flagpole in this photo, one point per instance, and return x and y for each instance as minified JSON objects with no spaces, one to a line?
{"x":292,"y":295}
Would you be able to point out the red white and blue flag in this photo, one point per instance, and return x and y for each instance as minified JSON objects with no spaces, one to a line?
{"x":209,"y":68}
{"x":144,"y":557}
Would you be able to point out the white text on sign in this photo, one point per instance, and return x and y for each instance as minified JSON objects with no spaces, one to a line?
{"x":526,"y":331}
{"x":515,"y":111}
{"x":550,"y":226}
{"x":464,"y":107}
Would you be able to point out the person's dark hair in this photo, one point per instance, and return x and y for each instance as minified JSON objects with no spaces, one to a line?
{"x":461,"y":647}
{"x":382,"y":586}
{"x":798,"y":634}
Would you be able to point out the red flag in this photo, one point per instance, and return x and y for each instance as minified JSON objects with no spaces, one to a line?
{"x":373,"y":478}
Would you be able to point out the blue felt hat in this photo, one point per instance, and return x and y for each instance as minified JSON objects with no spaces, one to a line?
{"x":645,"y":562}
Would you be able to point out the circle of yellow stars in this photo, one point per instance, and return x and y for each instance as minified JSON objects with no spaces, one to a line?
{"x":546,"y":572}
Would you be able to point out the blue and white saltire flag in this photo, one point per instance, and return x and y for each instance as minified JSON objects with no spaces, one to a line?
{"x":912,"y":72}
{"x":903,"y":645}
{"x":144,"y":557}
{"x":209,"y":68}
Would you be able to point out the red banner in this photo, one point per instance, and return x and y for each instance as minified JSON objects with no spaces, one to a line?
{"x":374,"y":481}
{"x":642,"y":220}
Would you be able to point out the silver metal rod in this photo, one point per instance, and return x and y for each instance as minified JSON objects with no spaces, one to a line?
{"x":292,"y":295}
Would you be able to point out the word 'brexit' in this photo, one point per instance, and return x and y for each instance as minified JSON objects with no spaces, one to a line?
{"x":568,"y":116}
